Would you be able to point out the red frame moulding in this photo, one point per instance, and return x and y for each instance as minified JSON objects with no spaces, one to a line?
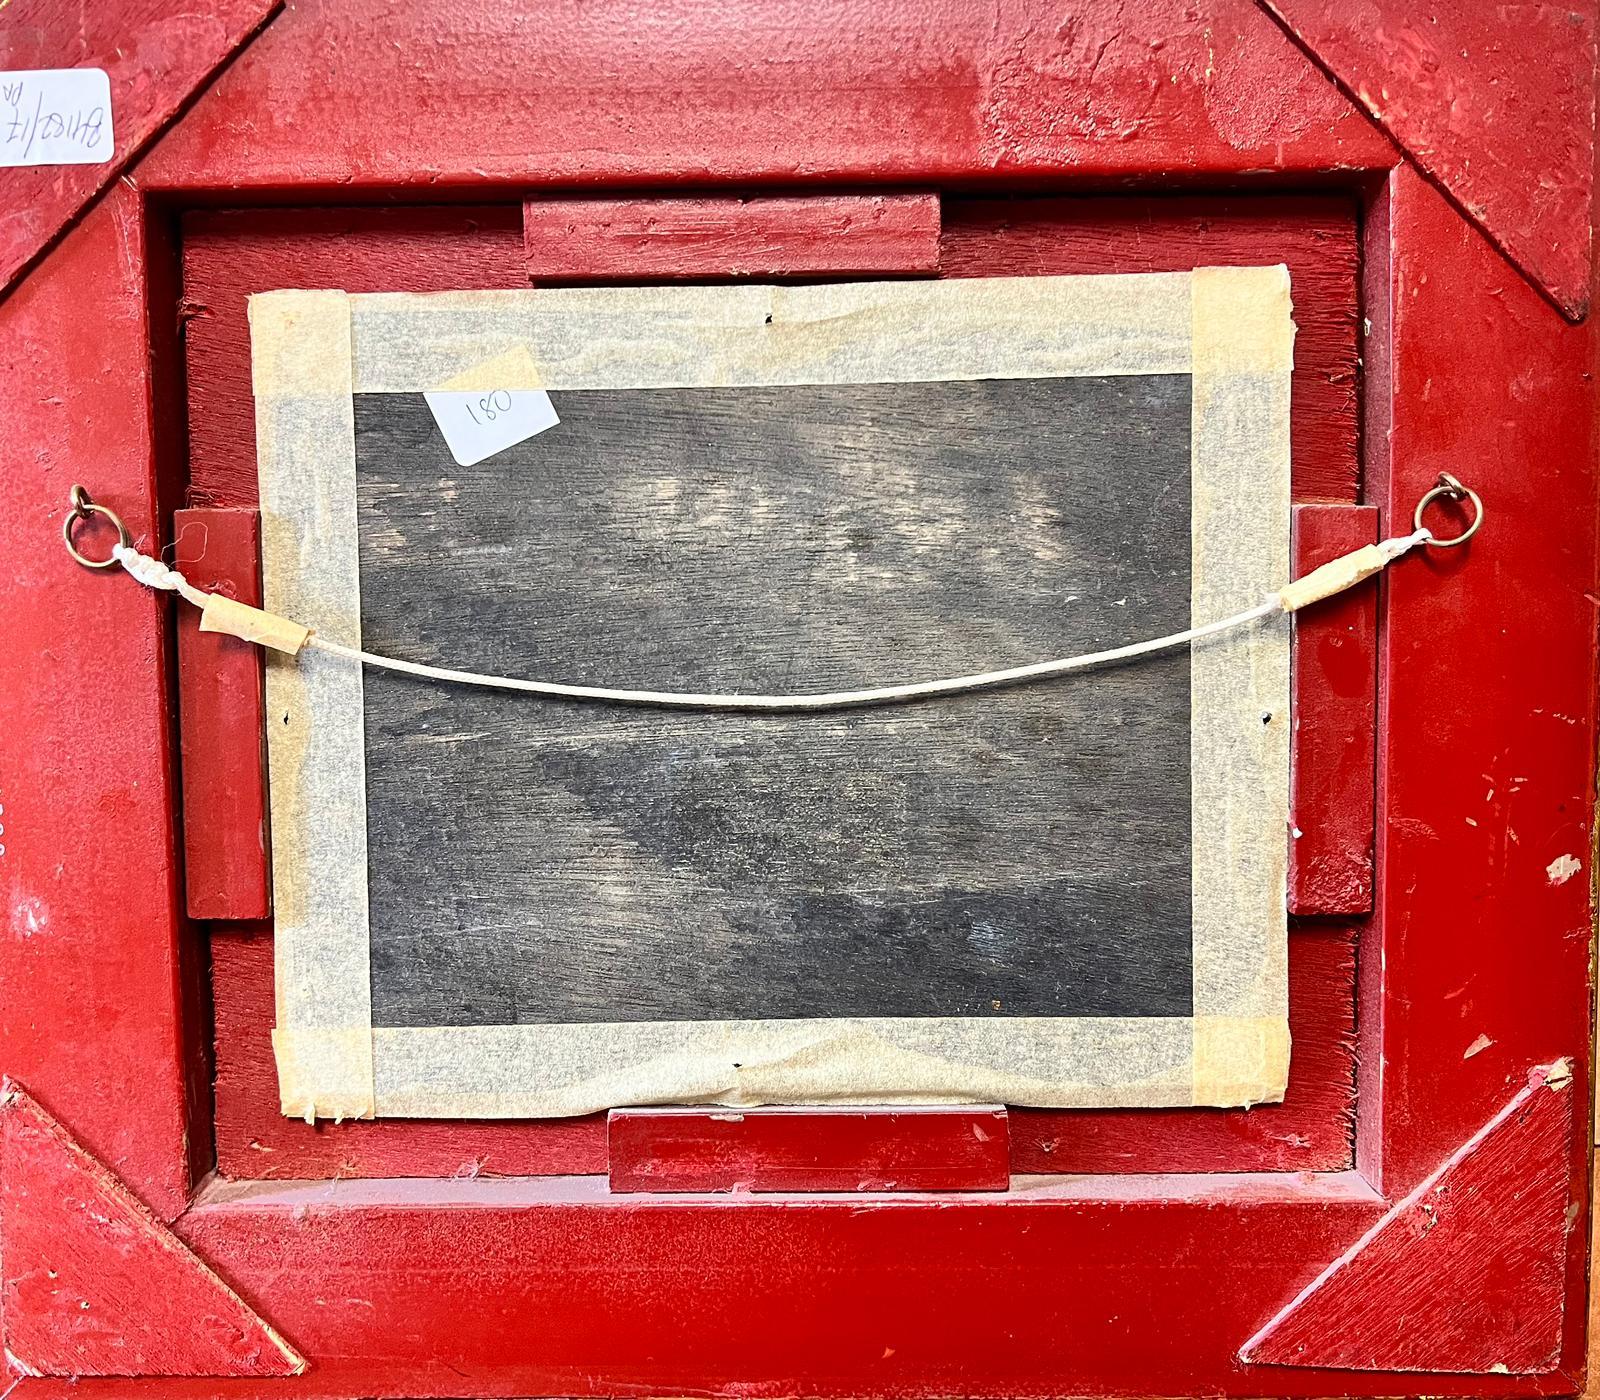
{"x":1124,"y":1284}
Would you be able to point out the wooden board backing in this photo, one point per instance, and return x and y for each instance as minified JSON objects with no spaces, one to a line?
{"x":1017,"y":853}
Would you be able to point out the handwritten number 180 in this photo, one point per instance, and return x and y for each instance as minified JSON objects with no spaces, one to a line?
{"x":489,"y":407}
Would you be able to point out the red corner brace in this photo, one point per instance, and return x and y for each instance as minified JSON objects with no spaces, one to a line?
{"x":94,"y":1285}
{"x":1499,"y":112}
{"x":1465,"y":1274}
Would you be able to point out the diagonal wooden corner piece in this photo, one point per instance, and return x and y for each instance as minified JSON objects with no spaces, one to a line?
{"x":92,"y":1284}
{"x":1466,"y":1274}
{"x":156,"y":57}
{"x":1499,"y":113}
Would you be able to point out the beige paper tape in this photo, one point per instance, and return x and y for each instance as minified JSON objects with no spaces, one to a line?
{"x":324,"y":1072}
{"x":1334,"y":577}
{"x":1240,"y":1060}
{"x":313,"y":350}
{"x":265,"y":629}
{"x":299,"y":344}
{"x":515,"y":370}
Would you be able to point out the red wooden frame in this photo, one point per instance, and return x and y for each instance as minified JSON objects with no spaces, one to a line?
{"x":1473,"y":965}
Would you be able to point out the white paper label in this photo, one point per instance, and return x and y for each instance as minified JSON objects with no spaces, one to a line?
{"x":55,"y":116}
{"x":479,"y":423}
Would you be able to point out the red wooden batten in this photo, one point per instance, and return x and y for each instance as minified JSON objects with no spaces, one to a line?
{"x":636,"y":240}
{"x":222,"y":723}
{"x":1334,"y":697}
{"x":800,"y":1149}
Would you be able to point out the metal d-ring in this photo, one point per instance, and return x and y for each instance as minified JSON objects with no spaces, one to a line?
{"x":84,"y":506}
{"x":1451,"y":489}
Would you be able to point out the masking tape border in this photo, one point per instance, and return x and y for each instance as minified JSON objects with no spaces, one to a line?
{"x":316,"y":761}
{"x":312,"y":351}
{"x":839,"y":333}
{"x":1239,"y":690}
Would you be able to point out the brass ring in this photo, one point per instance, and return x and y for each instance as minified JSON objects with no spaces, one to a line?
{"x":1451,"y":489}
{"x":83,"y":506}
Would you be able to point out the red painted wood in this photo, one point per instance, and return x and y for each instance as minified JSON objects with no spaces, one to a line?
{"x":625,"y":240}
{"x":221,"y":707}
{"x":94,"y":1285}
{"x":1124,"y":1286}
{"x":229,"y":254}
{"x":1334,"y":679}
{"x":389,"y":1285}
{"x":1316,"y":236}
{"x":255,"y":1140}
{"x":809,"y":1149}
{"x":1312,"y":1130}
{"x":675,"y":93}
{"x":557,"y":1287}
{"x":1465,"y":1273}
{"x":1487,"y":669}
{"x":1478,"y":962}
{"x":92,"y":964}
{"x":157,"y":55}
{"x":1497,"y":106}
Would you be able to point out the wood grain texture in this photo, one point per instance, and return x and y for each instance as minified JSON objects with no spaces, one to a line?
{"x":92,"y":986}
{"x":1496,"y":105}
{"x":1484,"y":784}
{"x":157,"y":55}
{"x":1312,"y":1130}
{"x":221,"y":706}
{"x":841,"y":92}
{"x":1334,"y":694}
{"x":827,"y":235}
{"x":561,"y":1288}
{"x":255,"y":1141}
{"x":1018,"y":853}
{"x":94,"y":1285}
{"x":1465,"y":1273}
{"x":1487,"y":669}
{"x":1135,"y":1294}
{"x":668,"y":1150}
{"x":229,"y":254}
{"x":1315,"y":236}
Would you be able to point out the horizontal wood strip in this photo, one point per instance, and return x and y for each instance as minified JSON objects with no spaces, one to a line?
{"x":799,"y":1149}
{"x":631,"y":240}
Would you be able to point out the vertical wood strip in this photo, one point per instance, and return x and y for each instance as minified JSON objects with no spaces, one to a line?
{"x":1335,"y":680}
{"x":221,"y":707}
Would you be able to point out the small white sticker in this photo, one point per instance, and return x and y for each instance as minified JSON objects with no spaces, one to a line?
{"x":478,"y":423}
{"x":55,"y":116}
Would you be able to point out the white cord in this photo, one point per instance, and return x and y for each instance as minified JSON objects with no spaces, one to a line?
{"x":1323,"y":582}
{"x":827,"y":700}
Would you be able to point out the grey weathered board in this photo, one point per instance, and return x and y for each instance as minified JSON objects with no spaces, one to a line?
{"x":1016,"y":852}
